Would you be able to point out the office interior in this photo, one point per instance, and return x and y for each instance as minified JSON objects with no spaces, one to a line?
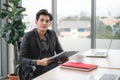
{"x":80,"y":25}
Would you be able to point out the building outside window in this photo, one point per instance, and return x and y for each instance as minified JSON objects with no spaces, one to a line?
{"x":75,"y":15}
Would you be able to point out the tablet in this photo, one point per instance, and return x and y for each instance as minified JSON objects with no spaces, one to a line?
{"x":110,"y":77}
{"x":64,"y":54}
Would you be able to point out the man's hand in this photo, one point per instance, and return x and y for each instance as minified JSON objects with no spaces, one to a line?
{"x":64,"y":59}
{"x":44,"y":61}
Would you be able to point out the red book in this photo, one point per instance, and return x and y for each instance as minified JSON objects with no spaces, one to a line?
{"x":79,"y":66}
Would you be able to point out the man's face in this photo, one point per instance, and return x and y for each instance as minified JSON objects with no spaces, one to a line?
{"x":43,"y":22}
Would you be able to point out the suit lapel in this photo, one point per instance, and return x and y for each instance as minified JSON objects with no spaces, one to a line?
{"x":37,"y":39}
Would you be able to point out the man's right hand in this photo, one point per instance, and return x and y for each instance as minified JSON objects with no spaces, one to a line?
{"x":44,"y":61}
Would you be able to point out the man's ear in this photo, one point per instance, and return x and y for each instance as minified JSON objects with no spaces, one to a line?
{"x":35,"y":21}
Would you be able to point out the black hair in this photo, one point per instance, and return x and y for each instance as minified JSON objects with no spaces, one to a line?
{"x":43,"y":12}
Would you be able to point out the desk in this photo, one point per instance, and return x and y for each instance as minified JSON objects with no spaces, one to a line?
{"x":112,"y":61}
{"x":111,"y":64}
{"x":66,"y":74}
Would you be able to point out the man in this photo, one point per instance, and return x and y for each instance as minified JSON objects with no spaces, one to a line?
{"x":39,"y":44}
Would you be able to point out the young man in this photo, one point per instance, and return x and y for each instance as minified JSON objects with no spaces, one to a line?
{"x":39,"y":44}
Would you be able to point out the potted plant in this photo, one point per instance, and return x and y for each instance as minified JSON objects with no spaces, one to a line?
{"x":14,"y":28}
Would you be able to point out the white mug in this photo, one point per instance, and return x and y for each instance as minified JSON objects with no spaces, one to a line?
{"x":79,"y":57}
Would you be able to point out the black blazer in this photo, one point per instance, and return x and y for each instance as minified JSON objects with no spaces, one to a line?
{"x":30,"y":47}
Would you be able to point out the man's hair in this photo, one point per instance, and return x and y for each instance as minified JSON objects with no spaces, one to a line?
{"x":43,"y":12}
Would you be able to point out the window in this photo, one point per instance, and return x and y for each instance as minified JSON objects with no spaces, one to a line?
{"x":81,"y":30}
{"x":3,"y":51}
{"x":0,"y":58}
{"x":107,"y":23}
{"x":67,"y":17}
{"x":77,"y":18}
{"x":32,"y":7}
{"x":67,"y":29}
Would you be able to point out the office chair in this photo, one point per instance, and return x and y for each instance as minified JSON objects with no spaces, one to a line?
{"x":24,"y":72}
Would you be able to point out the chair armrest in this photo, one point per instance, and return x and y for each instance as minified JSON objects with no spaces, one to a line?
{"x":28,"y":66}
{"x":21,"y":71}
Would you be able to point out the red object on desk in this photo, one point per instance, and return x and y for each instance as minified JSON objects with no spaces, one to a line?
{"x":79,"y":66}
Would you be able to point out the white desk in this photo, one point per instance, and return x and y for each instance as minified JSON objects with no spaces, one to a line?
{"x":111,"y":64}
{"x":66,"y":74}
{"x":112,"y":61}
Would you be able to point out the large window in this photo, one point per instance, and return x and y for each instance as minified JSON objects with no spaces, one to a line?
{"x":70,"y":20}
{"x":75,"y":16}
{"x":73,"y":21}
{"x":32,"y":7}
{"x":108,"y":23}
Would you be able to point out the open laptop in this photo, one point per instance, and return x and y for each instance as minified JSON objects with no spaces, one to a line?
{"x":99,"y":54}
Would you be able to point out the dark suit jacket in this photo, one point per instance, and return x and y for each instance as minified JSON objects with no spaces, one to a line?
{"x":30,"y":47}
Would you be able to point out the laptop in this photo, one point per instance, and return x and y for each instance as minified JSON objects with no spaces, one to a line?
{"x":99,"y":54}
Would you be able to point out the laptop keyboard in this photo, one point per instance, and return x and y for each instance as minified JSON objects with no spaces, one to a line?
{"x":109,"y":77}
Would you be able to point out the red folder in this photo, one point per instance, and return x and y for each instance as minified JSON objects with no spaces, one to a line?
{"x":79,"y":66}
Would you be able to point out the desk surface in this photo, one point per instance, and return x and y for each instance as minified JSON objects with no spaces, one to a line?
{"x":66,"y":74}
{"x":112,"y":61}
{"x":111,"y":64}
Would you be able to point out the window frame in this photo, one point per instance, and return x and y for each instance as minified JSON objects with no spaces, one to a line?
{"x":3,"y":50}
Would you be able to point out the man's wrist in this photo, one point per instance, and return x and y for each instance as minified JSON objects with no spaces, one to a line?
{"x":33,"y":62}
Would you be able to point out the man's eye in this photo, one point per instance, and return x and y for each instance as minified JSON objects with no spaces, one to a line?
{"x":41,"y":20}
{"x":47,"y":21}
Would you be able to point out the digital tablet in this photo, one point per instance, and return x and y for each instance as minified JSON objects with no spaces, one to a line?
{"x":64,"y":54}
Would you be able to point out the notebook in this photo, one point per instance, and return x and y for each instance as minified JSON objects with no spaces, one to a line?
{"x":78,"y":66}
{"x":64,"y":54}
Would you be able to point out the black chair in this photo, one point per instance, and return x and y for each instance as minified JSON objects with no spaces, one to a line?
{"x":24,"y":72}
